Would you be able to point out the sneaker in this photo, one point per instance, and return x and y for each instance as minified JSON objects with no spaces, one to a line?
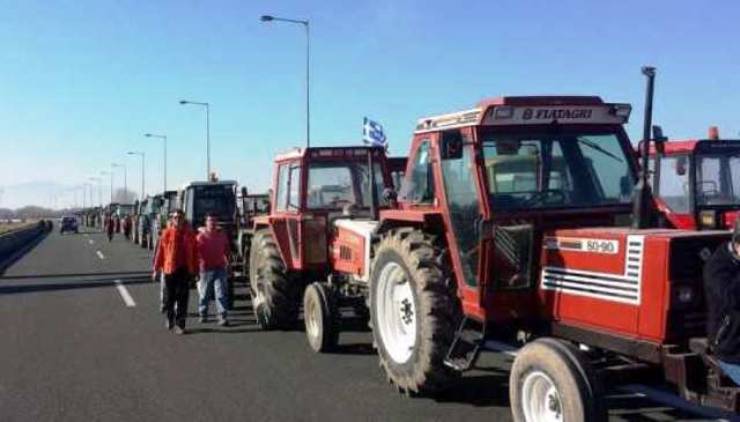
{"x":179,"y":330}
{"x":223,"y":322}
{"x":203,"y":319}
{"x":169,"y":324}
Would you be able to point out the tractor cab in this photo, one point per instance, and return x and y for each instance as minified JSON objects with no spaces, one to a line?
{"x":318,"y":190}
{"x":503,"y":174}
{"x":697,"y":183}
{"x":213,"y":197}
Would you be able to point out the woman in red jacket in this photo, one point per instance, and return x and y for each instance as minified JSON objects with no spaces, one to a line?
{"x":176,"y":258}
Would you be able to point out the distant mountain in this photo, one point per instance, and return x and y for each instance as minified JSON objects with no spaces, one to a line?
{"x":42,"y":194}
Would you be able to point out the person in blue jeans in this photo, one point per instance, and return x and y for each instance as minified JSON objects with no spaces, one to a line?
{"x":722,"y":293}
{"x":213,"y":258}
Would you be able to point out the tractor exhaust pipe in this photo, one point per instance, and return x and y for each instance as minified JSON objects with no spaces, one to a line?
{"x":643,"y":203}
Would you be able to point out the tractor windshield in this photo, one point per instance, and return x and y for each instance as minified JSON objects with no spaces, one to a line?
{"x":216,"y":199}
{"x":718,"y":179}
{"x":556,"y":170}
{"x":333,"y":185}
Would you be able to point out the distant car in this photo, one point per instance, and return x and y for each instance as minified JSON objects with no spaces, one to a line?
{"x":68,"y":224}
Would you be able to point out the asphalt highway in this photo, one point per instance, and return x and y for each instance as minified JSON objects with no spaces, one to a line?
{"x":81,"y":338}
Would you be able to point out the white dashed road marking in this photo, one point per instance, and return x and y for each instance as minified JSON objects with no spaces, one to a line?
{"x":125,"y":295}
{"x":100,"y":255}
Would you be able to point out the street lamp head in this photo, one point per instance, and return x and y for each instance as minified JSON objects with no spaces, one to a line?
{"x":267,"y":18}
{"x":148,"y":135}
{"x":183,"y":101}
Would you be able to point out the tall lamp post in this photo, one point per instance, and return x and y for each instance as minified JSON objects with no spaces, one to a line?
{"x":269,"y":18}
{"x":208,"y":132}
{"x":143,"y":175}
{"x":164,"y":138}
{"x":125,"y":185}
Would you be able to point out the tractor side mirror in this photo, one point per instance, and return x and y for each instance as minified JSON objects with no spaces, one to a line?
{"x":659,"y":139}
{"x":244,"y":191}
{"x":452,"y":146}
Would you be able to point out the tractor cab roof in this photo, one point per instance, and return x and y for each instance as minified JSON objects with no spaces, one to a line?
{"x":691,"y":146}
{"x":531,"y":110}
{"x":341,"y":152}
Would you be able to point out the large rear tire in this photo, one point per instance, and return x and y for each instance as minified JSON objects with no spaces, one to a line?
{"x":552,"y":381}
{"x":414,"y":311}
{"x":321,"y":318}
{"x":276,"y":294}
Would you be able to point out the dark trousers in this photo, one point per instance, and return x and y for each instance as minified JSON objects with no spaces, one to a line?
{"x":176,"y":295}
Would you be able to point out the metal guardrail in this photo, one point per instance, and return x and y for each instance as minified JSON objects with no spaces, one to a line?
{"x":15,"y":242}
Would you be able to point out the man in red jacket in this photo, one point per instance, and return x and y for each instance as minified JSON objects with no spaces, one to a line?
{"x":176,"y":258}
{"x":213,"y":258}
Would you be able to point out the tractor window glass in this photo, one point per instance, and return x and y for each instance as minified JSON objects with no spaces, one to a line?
{"x":294,"y":187}
{"x":282,"y":188}
{"x":419,"y":186}
{"x":462,"y":197}
{"x":333,"y":185}
{"x":556,"y":170}
{"x":718,"y":180}
{"x":673,"y":188}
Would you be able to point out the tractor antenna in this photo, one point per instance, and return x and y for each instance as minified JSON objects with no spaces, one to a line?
{"x":643,"y":196}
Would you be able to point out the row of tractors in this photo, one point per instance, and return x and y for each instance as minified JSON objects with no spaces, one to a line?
{"x":521,"y":223}
{"x":526,"y":222}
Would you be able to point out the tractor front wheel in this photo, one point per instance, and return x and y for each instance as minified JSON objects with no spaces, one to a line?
{"x":320,"y":317}
{"x":552,"y":381}
{"x":414,"y":312}
{"x":275,"y":293}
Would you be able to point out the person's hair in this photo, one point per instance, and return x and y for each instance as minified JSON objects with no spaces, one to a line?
{"x":210,"y":215}
{"x":176,"y":212}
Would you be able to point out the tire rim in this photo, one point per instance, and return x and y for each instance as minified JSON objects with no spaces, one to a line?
{"x":312,"y":315}
{"x":540,"y":398}
{"x":396,"y":312}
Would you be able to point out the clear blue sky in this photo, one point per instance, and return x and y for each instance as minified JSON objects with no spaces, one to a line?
{"x":82,"y":80}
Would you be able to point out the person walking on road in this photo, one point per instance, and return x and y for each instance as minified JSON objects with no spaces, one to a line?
{"x":722,"y":292}
{"x":109,"y":226}
{"x":177,"y":260}
{"x":213,"y":259}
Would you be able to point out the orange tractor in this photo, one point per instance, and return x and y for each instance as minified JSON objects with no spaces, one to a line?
{"x":515,"y":225}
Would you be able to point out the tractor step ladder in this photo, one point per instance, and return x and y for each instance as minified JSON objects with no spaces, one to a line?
{"x":466,"y":346}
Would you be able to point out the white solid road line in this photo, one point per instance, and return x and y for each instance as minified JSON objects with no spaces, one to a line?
{"x":100,"y":255}
{"x":125,"y":295}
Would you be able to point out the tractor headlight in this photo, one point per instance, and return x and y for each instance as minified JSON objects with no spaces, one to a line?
{"x":708,"y":219}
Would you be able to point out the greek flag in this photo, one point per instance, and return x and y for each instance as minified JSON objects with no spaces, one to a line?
{"x":372,"y":133}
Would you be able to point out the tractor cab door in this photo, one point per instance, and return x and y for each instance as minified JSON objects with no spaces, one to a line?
{"x":286,"y":219}
{"x":464,"y":217}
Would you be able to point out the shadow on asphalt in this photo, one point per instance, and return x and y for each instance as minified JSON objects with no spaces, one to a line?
{"x":35,"y":288}
{"x":481,"y":390}
{"x":63,"y":275}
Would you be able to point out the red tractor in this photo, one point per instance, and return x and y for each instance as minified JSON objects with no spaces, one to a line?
{"x":514,"y":225}
{"x":697,"y":182}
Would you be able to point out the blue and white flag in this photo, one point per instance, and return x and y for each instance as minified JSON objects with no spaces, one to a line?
{"x":372,"y":133}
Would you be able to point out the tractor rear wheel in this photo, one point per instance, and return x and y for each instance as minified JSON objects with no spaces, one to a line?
{"x":414,"y":311}
{"x":552,"y":381}
{"x":320,"y":317}
{"x":275,"y":293}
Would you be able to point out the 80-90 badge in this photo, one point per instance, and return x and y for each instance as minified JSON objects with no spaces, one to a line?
{"x":600,"y":246}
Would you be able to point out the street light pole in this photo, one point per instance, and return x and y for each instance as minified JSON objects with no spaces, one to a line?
{"x":143,"y":175}
{"x":208,"y":132}
{"x":164,"y":138}
{"x":305,"y":23}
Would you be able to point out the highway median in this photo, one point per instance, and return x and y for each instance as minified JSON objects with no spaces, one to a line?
{"x":17,"y":241}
